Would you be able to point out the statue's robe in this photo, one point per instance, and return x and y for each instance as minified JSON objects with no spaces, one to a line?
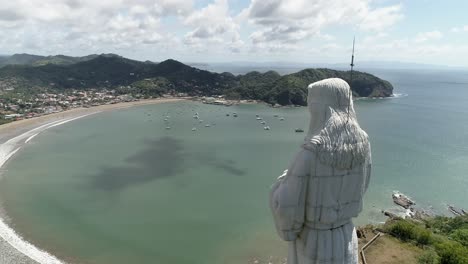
{"x":313,"y":203}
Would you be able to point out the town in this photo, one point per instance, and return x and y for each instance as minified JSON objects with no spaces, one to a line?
{"x":17,"y":106}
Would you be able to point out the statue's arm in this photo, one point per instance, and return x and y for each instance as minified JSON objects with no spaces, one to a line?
{"x":287,"y":198}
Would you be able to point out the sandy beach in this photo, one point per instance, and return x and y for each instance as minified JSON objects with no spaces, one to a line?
{"x":11,"y":244}
{"x":10,"y":129}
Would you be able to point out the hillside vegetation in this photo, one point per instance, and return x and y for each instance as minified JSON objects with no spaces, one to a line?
{"x":153,"y":79}
{"x":444,"y":239}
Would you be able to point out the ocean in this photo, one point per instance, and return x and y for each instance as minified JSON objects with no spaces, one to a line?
{"x":118,"y":187}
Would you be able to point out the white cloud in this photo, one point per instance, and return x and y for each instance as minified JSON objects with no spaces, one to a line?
{"x":213,"y":25}
{"x":292,"y":21}
{"x":430,"y":35}
{"x":460,"y":29}
{"x":380,"y":18}
{"x":375,"y":37}
{"x":104,"y":24}
{"x":265,"y":29}
{"x":407,"y":49}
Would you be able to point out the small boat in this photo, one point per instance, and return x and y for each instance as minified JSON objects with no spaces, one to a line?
{"x":227,"y":114}
{"x":165,"y":119}
{"x":194,"y":129}
{"x":281,"y":118}
{"x":257,"y":115}
{"x":234,"y":115}
{"x":299,"y":130}
{"x":195,"y":116}
{"x":259,"y":118}
{"x":275,"y":115}
{"x":168,"y":128}
{"x":266,"y":127}
{"x":200,"y":121}
{"x":263,"y":122}
{"x":207,"y":125}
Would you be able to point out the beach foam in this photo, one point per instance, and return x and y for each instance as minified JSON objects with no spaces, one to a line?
{"x":31,"y":137}
{"x":393,"y":96}
{"x":7,"y":150}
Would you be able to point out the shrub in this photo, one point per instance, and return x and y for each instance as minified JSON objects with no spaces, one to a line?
{"x":461,"y":236}
{"x":446,"y":225}
{"x":423,"y":236}
{"x":429,"y":257}
{"x":452,"y":252}
{"x":402,"y":230}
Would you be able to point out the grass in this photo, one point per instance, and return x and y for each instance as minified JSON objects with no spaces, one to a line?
{"x":389,"y":250}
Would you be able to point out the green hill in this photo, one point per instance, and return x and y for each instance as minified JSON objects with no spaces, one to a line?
{"x":37,"y":60}
{"x":112,"y":71}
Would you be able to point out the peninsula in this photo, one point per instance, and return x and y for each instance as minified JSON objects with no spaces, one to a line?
{"x":33,"y":85}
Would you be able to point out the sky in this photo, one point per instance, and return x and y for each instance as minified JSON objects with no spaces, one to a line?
{"x":301,"y":31}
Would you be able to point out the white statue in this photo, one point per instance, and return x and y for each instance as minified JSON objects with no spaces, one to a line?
{"x":314,"y":200}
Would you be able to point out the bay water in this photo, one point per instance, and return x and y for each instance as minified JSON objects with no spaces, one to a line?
{"x":119,"y":187}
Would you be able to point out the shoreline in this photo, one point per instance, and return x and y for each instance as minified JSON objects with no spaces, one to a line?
{"x":12,"y":128}
{"x":13,"y":136}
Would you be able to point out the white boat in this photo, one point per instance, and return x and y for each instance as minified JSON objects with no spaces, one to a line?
{"x":234,"y":115}
{"x":165,"y":119}
{"x":195,"y":116}
{"x":281,"y":118}
{"x":194,"y":129}
{"x":207,"y":125}
{"x":259,"y":118}
{"x":263,"y":122}
{"x":266,"y":127}
{"x":168,"y":127}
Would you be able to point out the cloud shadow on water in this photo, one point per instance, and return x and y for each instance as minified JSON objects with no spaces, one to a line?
{"x":163,"y":157}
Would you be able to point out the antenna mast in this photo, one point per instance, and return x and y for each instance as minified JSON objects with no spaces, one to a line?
{"x":352,"y":62}
{"x":351,"y":79}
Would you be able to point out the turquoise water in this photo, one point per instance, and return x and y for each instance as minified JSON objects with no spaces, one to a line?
{"x":117,"y":187}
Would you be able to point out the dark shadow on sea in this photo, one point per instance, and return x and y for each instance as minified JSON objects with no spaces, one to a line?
{"x":163,"y":157}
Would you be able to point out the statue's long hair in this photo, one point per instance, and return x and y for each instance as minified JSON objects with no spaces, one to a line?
{"x":341,"y":143}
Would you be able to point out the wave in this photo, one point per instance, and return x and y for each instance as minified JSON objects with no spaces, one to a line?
{"x":31,"y":137}
{"x":7,"y":150}
{"x":399,"y":95}
{"x":393,"y":96}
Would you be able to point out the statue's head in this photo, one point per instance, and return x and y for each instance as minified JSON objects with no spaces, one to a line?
{"x":329,"y":94}
{"x":334,"y":129}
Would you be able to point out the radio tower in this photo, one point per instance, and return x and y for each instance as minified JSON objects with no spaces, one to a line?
{"x":351,"y":77}
{"x":352,"y":62}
